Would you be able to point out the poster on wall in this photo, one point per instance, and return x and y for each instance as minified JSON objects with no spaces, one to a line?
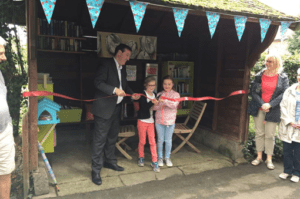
{"x":131,"y":73}
{"x":143,"y":47}
{"x":152,"y":70}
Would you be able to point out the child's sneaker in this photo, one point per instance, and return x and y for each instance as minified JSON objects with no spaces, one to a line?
{"x":141,"y":162}
{"x":160,"y":162}
{"x":168,"y":162}
{"x":155,"y":166}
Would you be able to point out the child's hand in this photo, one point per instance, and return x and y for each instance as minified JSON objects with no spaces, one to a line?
{"x":161,"y":100}
{"x":154,"y":101}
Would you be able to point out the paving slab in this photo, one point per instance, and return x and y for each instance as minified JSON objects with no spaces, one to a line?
{"x":86,"y":186}
{"x":168,"y":172}
{"x":138,"y":178}
{"x":205,"y":166}
{"x":72,"y":166}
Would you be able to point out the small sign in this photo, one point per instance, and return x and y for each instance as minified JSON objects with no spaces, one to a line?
{"x":131,"y":73}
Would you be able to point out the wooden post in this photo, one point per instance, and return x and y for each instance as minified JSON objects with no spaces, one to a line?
{"x":25,"y":152}
{"x":32,"y":75}
{"x":246,"y":79}
{"x":81,"y":80}
{"x":218,"y":74}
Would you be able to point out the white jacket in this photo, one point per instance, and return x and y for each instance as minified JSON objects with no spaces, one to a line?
{"x":287,"y":107}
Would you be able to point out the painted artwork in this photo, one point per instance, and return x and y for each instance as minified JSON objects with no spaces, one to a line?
{"x":143,"y":47}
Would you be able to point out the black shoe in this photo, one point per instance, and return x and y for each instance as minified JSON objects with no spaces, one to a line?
{"x":113,"y":166}
{"x":96,"y":178}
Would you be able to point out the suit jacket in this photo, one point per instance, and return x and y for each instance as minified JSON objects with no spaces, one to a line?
{"x":106,"y":81}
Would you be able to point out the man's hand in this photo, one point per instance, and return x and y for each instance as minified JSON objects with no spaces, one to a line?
{"x":135,"y":96}
{"x":119,"y":92}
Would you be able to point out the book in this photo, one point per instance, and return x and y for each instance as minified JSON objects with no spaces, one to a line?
{"x":66,"y":28}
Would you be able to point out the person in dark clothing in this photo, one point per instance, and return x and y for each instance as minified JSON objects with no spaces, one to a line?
{"x":267,"y":91}
{"x":110,"y":80}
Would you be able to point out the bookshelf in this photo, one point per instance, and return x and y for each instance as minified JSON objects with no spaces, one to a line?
{"x":60,"y":51}
{"x":182,"y":73}
{"x":59,"y":36}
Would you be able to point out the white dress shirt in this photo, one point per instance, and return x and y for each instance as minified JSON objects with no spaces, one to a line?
{"x":119,"y":68}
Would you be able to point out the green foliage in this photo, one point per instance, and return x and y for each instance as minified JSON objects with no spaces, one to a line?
{"x":291,"y":64}
{"x":294,"y":43}
{"x":15,"y":69}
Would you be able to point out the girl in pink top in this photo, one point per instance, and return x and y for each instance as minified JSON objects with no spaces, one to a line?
{"x":165,"y":120}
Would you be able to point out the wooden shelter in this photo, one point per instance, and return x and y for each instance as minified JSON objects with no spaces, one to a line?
{"x":222,"y":63}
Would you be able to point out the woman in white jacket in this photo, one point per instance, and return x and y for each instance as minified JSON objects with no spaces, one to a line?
{"x":289,"y":131}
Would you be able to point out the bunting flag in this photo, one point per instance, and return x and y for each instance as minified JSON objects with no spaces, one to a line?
{"x":240,"y":22}
{"x":264,"y":26}
{"x":48,"y":7}
{"x":213,"y":19}
{"x":138,"y":10}
{"x":94,"y":7}
{"x":180,"y":15}
{"x":284,"y":26}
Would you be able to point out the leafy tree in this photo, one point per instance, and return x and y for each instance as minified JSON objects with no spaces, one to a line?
{"x":294,"y":43}
{"x":15,"y":69}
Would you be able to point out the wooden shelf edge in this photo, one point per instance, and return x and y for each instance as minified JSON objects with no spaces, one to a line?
{"x":62,"y":37}
{"x":60,"y":51}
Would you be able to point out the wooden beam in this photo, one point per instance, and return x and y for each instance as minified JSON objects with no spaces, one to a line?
{"x":246,"y":80}
{"x":159,"y":24}
{"x":25,"y":153}
{"x":261,"y":47}
{"x":32,"y":74}
{"x":218,"y":76}
{"x":125,"y":19}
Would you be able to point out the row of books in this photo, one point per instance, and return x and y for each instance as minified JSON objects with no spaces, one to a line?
{"x":44,"y":77}
{"x":59,"y":28}
{"x":182,"y":105}
{"x":48,"y":43}
{"x":179,"y":71}
{"x":182,"y":87}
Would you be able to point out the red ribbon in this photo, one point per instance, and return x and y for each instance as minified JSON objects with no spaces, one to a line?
{"x":45,"y":93}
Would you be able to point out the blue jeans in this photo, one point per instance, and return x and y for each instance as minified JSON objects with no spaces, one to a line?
{"x":164,"y":134}
{"x":291,"y":158}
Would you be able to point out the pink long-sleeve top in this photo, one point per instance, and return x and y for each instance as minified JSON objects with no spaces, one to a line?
{"x":166,"y":111}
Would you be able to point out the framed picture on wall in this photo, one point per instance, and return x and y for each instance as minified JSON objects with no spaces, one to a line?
{"x":131,"y":73}
{"x":143,"y":47}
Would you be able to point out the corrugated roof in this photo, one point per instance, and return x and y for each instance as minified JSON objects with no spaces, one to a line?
{"x":251,"y":8}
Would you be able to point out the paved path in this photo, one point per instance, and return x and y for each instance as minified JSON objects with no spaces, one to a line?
{"x":240,"y":182}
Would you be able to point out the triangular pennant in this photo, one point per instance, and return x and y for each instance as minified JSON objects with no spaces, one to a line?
{"x":138,"y":10}
{"x":284,"y":26}
{"x":264,"y":26}
{"x":180,"y":15}
{"x":240,"y":22}
{"x":94,"y":7}
{"x":48,"y":7}
{"x":213,"y":19}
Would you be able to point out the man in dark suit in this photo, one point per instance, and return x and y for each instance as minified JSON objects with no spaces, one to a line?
{"x":110,"y":80}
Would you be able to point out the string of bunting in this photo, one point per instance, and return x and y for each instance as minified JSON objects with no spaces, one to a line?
{"x":180,"y":14}
{"x":46,"y":93}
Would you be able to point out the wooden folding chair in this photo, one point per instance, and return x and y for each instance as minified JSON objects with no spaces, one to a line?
{"x":180,"y":128}
{"x":125,"y":132}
